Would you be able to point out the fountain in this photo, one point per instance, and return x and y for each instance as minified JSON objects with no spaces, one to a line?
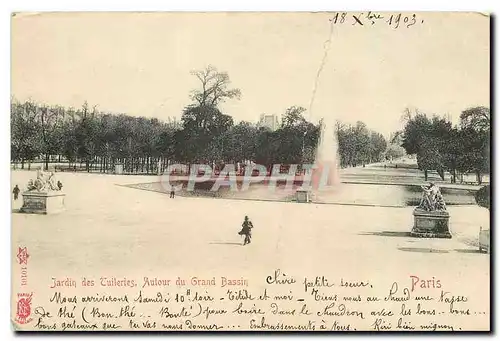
{"x":325,"y":175}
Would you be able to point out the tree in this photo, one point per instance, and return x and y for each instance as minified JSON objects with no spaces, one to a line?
{"x":70,"y":142}
{"x":202,"y":122}
{"x":427,"y":138}
{"x":416,"y":130}
{"x":50,"y":124}
{"x":475,"y":126}
{"x":394,"y":151}
{"x":440,"y":146}
{"x":86,"y":134}
{"x":214,"y":87}
{"x":166,"y":142}
{"x":452,"y":151}
{"x":201,"y":126}
{"x":240,"y":142}
{"x":267,"y":147}
{"x":359,"y":145}
{"x":204,"y":134}
{"x":362,"y":143}
{"x":477,"y":118}
{"x":25,"y":131}
{"x":298,"y":138}
{"x":429,"y":156}
{"x":473,"y":156}
{"x":378,"y":146}
{"x":293,"y":117}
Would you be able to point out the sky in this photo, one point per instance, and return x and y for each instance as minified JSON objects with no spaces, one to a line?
{"x":140,"y":63}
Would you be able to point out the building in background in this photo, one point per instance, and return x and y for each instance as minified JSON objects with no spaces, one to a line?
{"x":270,"y":121}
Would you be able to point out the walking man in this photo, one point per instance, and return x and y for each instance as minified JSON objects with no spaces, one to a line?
{"x":16,"y":192}
{"x":246,"y":230}
{"x":172,"y":192}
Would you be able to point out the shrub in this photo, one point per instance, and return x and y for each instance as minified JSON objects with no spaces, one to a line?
{"x":483,"y":197}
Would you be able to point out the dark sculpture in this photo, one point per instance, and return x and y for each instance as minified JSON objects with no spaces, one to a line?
{"x":432,"y":199}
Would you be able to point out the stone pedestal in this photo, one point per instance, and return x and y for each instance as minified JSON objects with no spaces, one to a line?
{"x":431,"y":224}
{"x":302,"y":196}
{"x":43,"y":202}
{"x":484,"y":240}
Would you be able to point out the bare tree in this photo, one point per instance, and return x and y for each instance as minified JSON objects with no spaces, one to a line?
{"x":214,"y":87}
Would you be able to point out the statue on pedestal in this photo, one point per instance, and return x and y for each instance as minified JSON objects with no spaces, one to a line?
{"x":43,"y":183}
{"x":430,"y":217}
{"x":43,"y":195}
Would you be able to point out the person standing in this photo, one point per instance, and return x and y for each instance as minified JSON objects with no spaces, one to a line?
{"x":172,"y":192}
{"x":246,"y":230}
{"x":16,"y":192}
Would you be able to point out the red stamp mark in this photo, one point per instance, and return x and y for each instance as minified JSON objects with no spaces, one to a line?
{"x":22,"y":255}
{"x":23,"y":311}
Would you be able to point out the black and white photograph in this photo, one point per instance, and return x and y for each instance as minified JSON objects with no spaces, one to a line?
{"x":250,"y":171}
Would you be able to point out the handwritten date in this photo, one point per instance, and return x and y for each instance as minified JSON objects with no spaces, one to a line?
{"x":369,"y":19}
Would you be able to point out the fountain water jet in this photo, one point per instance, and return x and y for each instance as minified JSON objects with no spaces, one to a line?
{"x":325,"y":174}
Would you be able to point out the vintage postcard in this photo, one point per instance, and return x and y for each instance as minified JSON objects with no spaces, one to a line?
{"x":250,"y":171}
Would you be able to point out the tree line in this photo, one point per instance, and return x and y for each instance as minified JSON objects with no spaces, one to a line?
{"x":99,"y":140}
{"x":441,"y":146}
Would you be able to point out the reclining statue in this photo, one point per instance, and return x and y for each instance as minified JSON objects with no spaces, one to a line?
{"x":43,"y":183}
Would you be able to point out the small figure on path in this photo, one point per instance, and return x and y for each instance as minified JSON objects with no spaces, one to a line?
{"x":246,"y":230}
{"x":16,"y":192}
{"x":59,"y":185}
{"x":172,"y":192}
